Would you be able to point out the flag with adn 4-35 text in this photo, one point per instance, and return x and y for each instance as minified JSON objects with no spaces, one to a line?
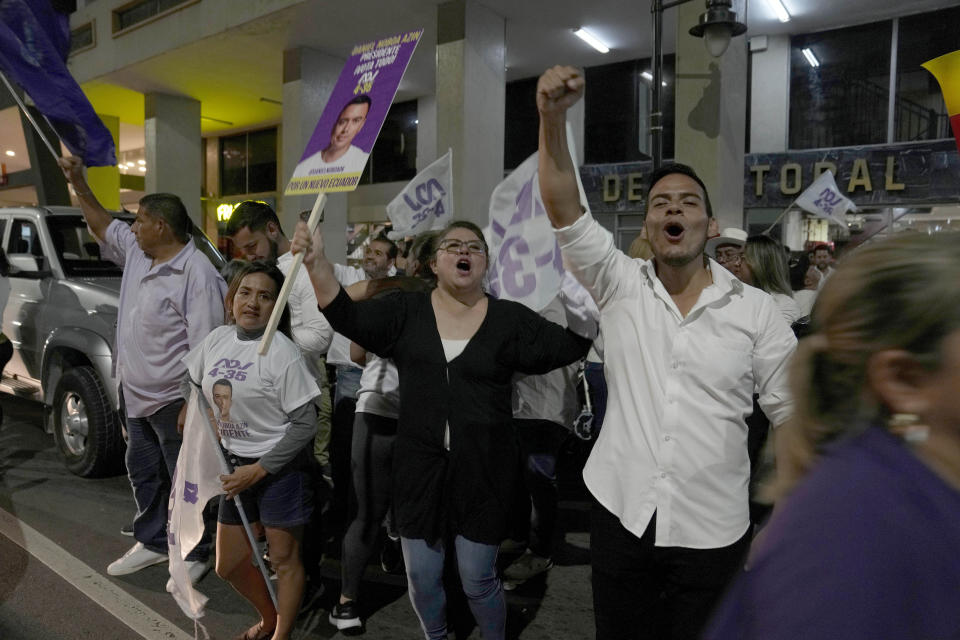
{"x":195,"y":481}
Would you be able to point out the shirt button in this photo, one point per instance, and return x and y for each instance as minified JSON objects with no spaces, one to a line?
{"x":663,"y":475}
{"x":666,"y":438}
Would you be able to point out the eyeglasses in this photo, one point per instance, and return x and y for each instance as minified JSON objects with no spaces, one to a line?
{"x":457,"y":246}
{"x":729,"y":257}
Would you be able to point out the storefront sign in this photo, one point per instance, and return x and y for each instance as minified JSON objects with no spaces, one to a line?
{"x":871,"y":176}
{"x":882,"y":175}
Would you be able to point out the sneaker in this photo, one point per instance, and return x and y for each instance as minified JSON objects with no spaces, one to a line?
{"x":346,"y":617}
{"x":512,"y":546}
{"x":196,"y":569}
{"x":523,"y":568}
{"x":138,"y":557}
{"x":127,"y":530}
{"x":391,"y":556}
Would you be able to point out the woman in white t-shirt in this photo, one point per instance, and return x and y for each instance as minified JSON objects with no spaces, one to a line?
{"x":263,"y":408}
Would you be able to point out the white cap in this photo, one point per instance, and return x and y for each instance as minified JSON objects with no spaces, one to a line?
{"x":730,"y":235}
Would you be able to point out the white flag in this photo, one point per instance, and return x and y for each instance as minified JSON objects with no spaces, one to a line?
{"x":525,"y":261}
{"x":195,"y":481}
{"x":426,"y":203}
{"x":823,"y":199}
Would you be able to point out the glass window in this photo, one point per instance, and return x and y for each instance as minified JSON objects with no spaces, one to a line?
{"x":144,"y":10}
{"x":617,"y":111}
{"x":394,"y":155}
{"x":82,"y":37}
{"x":233,"y":165}
{"x":521,"y":122}
{"x":840,"y":86}
{"x":248,"y":162}
{"x":920,"y":113}
{"x":262,"y":161}
{"x":24,"y":239}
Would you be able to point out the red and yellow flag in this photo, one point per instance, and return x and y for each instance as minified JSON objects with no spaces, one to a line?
{"x":946,"y":69}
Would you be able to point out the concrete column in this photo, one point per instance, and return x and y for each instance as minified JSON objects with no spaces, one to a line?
{"x":308,"y":80}
{"x":47,"y":176}
{"x":105,"y":181}
{"x":427,"y":150}
{"x":770,"y":100}
{"x":471,"y":93}
{"x":174,"y":149}
{"x":711,"y":103}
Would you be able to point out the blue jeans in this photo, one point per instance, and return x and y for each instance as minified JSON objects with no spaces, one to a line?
{"x":348,"y":383}
{"x":478,"y":574}
{"x":152,"y":451}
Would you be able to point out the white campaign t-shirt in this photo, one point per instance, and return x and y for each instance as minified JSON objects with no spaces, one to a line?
{"x":260,"y":390}
{"x":379,"y":391}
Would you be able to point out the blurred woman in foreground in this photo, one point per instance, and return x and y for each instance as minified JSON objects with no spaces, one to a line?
{"x":864,"y":545}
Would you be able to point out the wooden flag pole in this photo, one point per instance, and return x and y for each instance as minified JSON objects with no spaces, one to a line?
{"x":315,"y":215}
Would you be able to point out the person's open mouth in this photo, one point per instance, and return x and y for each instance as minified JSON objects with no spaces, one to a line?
{"x":463,"y":265}
{"x":673,"y":231}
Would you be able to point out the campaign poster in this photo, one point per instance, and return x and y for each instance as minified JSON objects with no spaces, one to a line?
{"x":350,"y":123}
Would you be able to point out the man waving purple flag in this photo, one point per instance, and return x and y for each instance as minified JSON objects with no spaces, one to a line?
{"x":34,"y":43}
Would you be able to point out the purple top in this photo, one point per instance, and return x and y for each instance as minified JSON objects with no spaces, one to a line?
{"x":867,"y":547}
{"x":165,"y":311}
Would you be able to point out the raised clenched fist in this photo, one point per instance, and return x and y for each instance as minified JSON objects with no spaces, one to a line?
{"x":558,"y":89}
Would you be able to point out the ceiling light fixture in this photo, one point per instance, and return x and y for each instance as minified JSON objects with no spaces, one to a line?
{"x":141,"y":162}
{"x":227,"y":122}
{"x":11,"y":152}
{"x":591,"y":40}
{"x":812,"y":59}
{"x":782,"y":14}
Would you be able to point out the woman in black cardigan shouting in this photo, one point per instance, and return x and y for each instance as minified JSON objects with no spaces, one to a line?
{"x":455,"y":456}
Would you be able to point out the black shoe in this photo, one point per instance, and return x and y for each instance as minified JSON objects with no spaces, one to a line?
{"x":127,"y":530}
{"x":346,"y":618}
{"x":391,"y":556}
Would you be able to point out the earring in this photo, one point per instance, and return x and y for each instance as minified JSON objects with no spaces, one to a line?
{"x":908,"y":427}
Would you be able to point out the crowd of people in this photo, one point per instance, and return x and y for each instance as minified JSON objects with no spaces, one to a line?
{"x":449,"y":403}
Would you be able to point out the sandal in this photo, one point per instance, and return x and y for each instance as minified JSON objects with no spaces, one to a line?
{"x":256,"y":632}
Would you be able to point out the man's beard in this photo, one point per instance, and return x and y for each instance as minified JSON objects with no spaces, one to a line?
{"x":684,"y":260}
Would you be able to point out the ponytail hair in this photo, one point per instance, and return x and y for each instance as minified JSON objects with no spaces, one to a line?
{"x":898,"y":294}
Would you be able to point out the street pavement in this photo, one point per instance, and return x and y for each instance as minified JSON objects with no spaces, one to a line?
{"x":58,"y":533}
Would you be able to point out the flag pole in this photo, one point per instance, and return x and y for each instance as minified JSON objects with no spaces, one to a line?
{"x":226,"y":470}
{"x":315,"y":214}
{"x":26,"y":112}
{"x":779,"y":218}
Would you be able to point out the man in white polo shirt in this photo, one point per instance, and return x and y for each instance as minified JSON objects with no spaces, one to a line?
{"x":686,"y":343}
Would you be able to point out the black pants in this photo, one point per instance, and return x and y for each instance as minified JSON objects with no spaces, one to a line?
{"x":641,"y":591}
{"x":372,"y":462}
{"x":536,"y":511}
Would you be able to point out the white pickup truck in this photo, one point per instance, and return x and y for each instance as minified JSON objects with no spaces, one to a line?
{"x":61,"y":318}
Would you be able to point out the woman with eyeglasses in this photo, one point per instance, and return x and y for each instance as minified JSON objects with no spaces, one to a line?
{"x":455,"y":457}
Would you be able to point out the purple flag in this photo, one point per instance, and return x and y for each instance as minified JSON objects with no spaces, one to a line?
{"x":34,"y":42}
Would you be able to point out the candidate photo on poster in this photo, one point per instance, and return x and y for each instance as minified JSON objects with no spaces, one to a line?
{"x":340,"y":155}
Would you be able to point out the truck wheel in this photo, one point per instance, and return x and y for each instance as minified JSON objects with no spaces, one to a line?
{"x":85,"y":426}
